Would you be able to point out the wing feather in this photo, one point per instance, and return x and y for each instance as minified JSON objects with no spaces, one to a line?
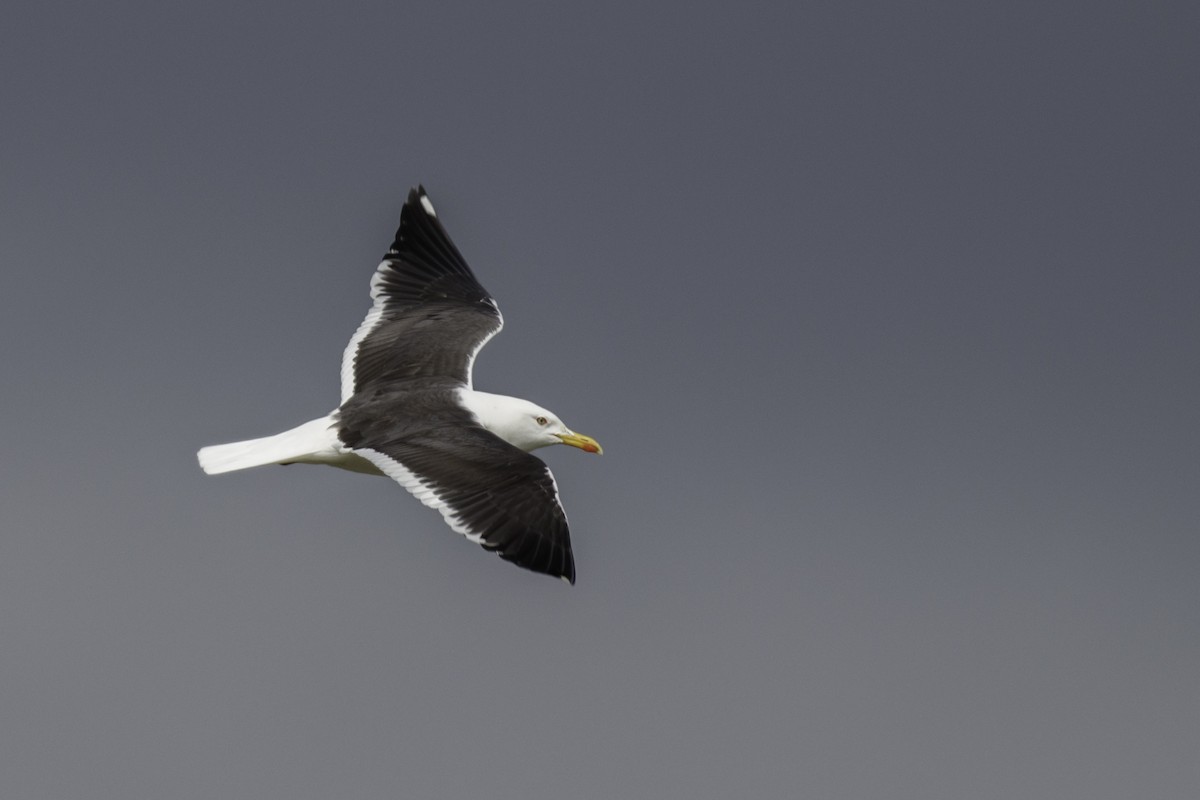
{"x":491,"y":492}
{"x":430,"y":316}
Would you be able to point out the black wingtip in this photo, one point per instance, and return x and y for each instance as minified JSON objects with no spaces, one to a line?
{"x":419,"y":202}
{"x":537,"y":553}
{"x":565,"y":572}
{"x":421,"y":235}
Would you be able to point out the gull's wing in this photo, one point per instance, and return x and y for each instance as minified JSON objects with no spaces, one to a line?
{"x":495,"y":494}
{"x":430,"y":316}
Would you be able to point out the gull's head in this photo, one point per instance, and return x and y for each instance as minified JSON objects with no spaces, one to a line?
{"x":524,"y":424}
{"x":548,"y":429}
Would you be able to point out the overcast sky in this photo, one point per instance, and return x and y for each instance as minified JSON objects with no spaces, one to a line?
{"x":886,"y":316}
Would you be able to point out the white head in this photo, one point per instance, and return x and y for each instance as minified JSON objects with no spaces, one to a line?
{"x":523,"y":424}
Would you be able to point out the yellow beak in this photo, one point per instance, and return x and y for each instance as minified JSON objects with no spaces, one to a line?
{"x":585,"y":443}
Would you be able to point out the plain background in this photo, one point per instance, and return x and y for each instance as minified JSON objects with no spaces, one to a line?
{"x":886,"y":316}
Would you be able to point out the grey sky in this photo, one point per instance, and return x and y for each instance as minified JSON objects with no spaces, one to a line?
{"x":885,"y":315}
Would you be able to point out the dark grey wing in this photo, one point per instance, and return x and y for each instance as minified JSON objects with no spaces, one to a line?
{"x":495,"y":494}
{"x":430,"y":316}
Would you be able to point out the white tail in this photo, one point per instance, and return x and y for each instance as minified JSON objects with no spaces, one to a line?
{"x":314,"y":442}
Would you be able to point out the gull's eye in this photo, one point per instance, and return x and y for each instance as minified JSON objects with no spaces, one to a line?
{"x":542,"y":421}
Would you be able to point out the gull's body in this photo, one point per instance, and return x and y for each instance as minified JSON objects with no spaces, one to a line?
{"x":409,"y":411}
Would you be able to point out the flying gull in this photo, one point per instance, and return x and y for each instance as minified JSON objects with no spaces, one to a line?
{"x":409,"y":411}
